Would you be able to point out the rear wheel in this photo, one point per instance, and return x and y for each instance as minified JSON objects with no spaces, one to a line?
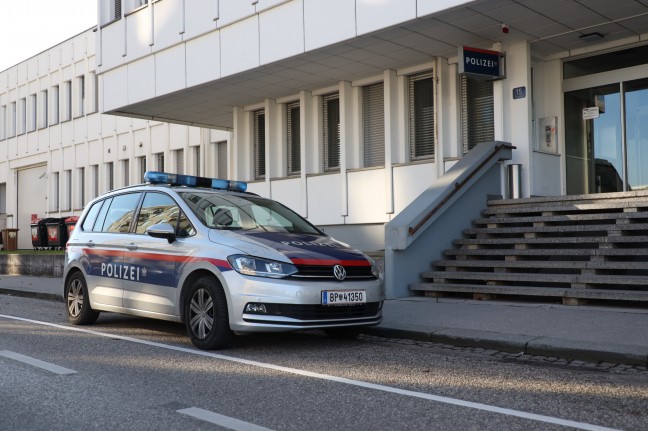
{"x":77,"y":300}
{"x":205,"y":314}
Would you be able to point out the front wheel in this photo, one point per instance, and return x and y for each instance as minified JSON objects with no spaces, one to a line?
{"x":205,"y":315}
{"x":77,"y":300}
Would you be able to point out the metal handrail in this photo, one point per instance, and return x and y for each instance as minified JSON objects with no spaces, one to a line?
{"x":413,"y":229}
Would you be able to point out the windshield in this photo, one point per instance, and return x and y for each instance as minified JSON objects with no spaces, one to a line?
{"x":232,"y":212}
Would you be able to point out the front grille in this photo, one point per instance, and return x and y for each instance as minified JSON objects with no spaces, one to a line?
{"x":326,"y":271}
{"x":320,"y":312}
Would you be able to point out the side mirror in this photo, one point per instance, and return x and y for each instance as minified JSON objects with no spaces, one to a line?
{"x":162,"y":230}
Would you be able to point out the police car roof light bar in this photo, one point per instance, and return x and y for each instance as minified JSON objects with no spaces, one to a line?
{"x":192,"y":181}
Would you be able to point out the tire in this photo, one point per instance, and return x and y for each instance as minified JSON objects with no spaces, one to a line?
{"x":205,"y":314}
{"x":345,"y":333}
{"x":77,"y":301}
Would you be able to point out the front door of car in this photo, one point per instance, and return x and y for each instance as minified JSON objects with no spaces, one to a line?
{"x":151,"y":281}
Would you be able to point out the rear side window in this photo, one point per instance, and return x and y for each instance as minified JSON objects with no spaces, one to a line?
{"x":89,"y":220}
{"x":120,"y":213}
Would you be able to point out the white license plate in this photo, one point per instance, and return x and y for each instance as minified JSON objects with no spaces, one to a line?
{"x":343,"y":297}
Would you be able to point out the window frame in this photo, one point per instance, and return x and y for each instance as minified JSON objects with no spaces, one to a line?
{"x":328,"y":143}
{"x":428,"y":130}
{"x":259,"y":144}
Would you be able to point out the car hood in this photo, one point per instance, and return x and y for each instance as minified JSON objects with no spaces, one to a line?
{"x":300,"y":249}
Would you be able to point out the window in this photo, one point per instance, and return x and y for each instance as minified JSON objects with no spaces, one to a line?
{"x":477,"y":112}
{"x":373,"y":122}
{"x":259,"y":145}
{"x":32,"y":113}
{"x":94,"y":169}
{"x":196,"y":160}
{"x":82,"y":200}
{"x":125,"y":166}
{"x":43,"y":110}
{"x":157,"y":208}
{"x":331,"y":109}
{"x":3,"y":122}
{"x":120,"y":213}
{"x":55,"y":105}
{"x":93,"y":103}
{"x":221,"y":159}
{"x":160,"y":161}
{"x":11,"y":121}
{"x":22,"y":116}
{"x":115,"y":9}
{"x":421,"y":116}
{"x":67,"y":185}
{"x":67,"y":101}
{"x":141,"y":162}
{"x":80,"y":108}
{"x":179,"y":161}
{"x":89,"y":220}
{"x":110,"y":176}
{"x":54,"y":201}
{"x":293,"y":138}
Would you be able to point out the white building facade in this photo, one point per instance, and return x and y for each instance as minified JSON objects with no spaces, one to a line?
{"x":57,"y":151}
{"x":346,"y":110}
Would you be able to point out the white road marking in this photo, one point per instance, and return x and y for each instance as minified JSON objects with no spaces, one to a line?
{"x":367,"y":385}
{"x":36,"y":363}
{"x":224,"y":421}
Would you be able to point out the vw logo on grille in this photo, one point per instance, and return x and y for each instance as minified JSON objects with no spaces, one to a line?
{"x":339,"y":272}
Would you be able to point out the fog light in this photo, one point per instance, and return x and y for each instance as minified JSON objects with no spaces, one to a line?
{"x":255,"y":308}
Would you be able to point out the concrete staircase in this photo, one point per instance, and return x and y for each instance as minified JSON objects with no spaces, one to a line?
{"x":578,"y":248}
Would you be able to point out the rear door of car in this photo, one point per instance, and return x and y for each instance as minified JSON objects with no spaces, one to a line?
{"x":103,"y":242}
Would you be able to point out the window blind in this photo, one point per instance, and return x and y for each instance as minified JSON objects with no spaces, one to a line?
{"x":421,"y":116}
{"x":331,"y":120}
{"x":477,"y":112}
{"x":373,"y":119}
{"x":259,"y":144}
{"x":293,"y":137}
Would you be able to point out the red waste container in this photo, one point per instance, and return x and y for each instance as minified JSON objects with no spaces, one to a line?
{"x":56,"y":233}
{"x":70,"y":222}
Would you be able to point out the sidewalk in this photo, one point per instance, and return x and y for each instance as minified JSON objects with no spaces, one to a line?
{"x":586,"y":333}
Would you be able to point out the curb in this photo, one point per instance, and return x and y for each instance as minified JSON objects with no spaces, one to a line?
{"x":34,"y":295}
{"x":534,"y":346}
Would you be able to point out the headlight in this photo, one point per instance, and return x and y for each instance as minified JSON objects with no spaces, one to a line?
{"x":375,"y":269}
{"x":259,"y":267}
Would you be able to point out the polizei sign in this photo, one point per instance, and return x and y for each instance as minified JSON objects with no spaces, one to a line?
{"x":481,"y":62}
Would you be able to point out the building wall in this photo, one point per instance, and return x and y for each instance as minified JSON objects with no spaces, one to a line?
{"x":77,"y":151}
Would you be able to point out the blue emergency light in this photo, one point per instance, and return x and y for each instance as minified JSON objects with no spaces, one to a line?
{"x":192,"y":181}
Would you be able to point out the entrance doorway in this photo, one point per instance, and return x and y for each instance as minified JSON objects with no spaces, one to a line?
{"x":606,"y":138}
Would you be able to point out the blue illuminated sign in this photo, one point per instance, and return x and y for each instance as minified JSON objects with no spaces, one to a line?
{"x":481,"y":62}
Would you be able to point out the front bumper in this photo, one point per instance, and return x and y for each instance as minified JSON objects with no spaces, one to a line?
{"x":296,"y":304}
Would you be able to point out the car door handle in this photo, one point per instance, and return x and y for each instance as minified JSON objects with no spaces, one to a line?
{"x":90,"y":244}
{"x":131,"y":246}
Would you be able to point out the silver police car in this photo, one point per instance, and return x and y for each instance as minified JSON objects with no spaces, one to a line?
{"x":204,"y":252}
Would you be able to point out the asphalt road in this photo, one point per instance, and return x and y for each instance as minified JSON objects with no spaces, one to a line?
{"x":131,"y":373}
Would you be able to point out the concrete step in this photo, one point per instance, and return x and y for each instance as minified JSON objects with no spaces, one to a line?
{"x":522,"y":290}
{"x":574,"y":199}
{"x":560,"y":229}
{"x":613,"y":240}
{"x":568,"y":218}
{"x":548,"y":252}
{"x":541,"y":265}
{"x":591,"y":279}
{"x":568,"y":207}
